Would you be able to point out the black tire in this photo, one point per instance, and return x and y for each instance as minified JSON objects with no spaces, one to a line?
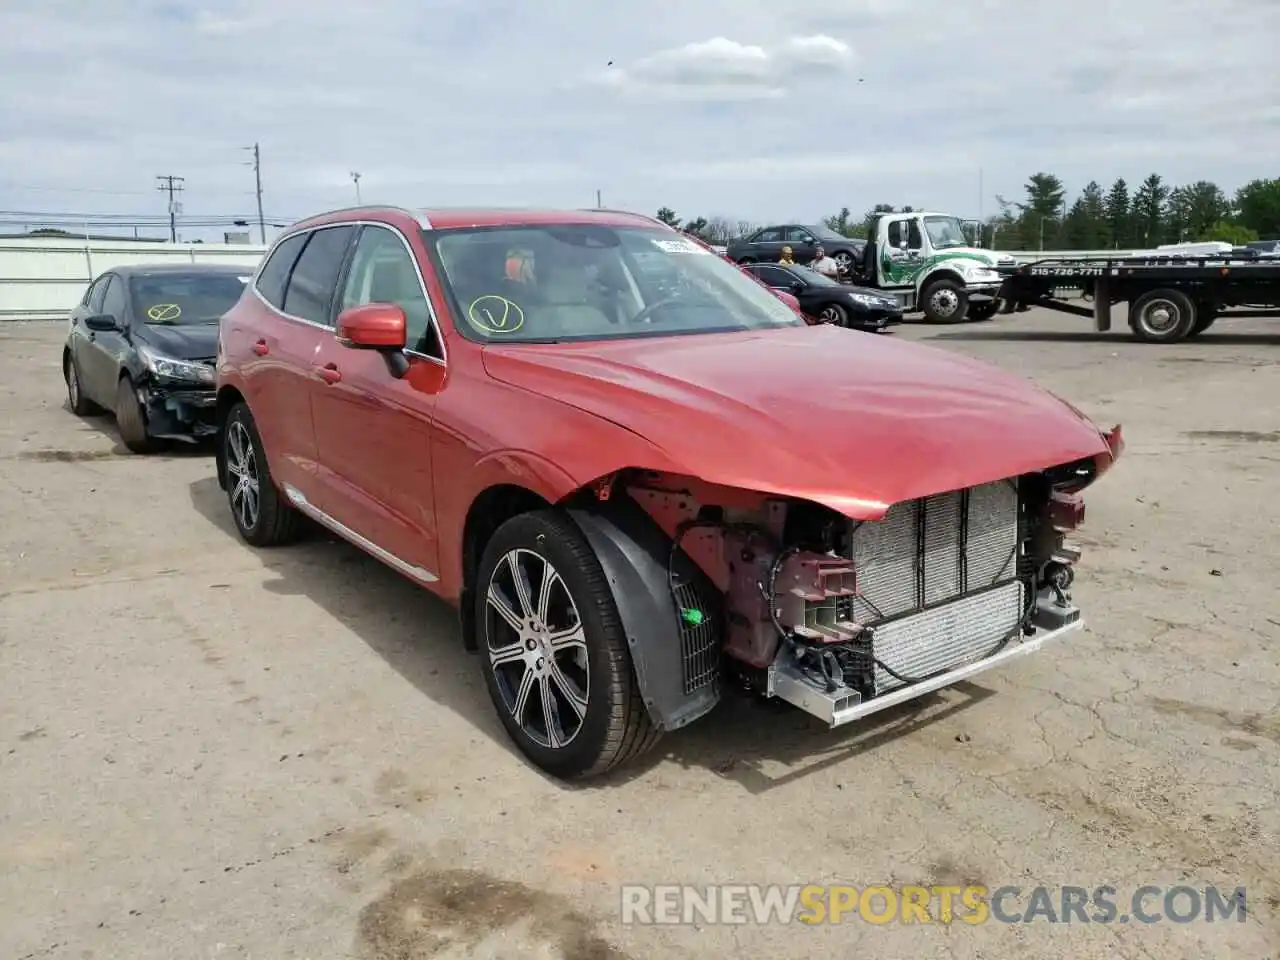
{"x":1204,"y":320}
{"x":979,"y":312}
{"x":834,"y":314}
{"x":614,"y":727}
{"x":131,"y":420}
{"x":1162,"y":316}
{"x":945,"y":301}
{"x":274,"y":521}
{"x":80,"y":405}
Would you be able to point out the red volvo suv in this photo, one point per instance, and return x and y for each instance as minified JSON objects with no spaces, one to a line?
{"x":640,"y":475}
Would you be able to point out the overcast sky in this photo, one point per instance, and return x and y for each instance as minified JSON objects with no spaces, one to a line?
{"x":752,"y":109}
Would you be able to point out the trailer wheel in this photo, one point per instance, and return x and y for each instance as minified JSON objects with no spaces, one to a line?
{"x":945,"y":301}
{"x":1162,"y":316}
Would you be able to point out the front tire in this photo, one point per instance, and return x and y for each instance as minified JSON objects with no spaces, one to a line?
{"x":834,"y":314}
{"x":131,"y":419}
{"x":554,"y":651}
{"x":262,"y":516}
{"x":945,"y":301}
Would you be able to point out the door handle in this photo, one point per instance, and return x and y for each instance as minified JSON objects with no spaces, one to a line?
{"x":329,"y":373}
{"x":261,"y":348}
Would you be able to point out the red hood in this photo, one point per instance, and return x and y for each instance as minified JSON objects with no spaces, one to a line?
{"x":850,"y":420}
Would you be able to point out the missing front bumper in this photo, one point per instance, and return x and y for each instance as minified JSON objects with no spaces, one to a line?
{"x":787,"y":681}
{"x":187,"y":414}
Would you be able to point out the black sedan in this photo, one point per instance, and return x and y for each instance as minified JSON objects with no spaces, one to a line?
{"x":824,"y":299}
{"x":141,"y":346}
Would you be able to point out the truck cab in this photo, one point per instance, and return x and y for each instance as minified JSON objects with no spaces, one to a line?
{"x":927,"y":261}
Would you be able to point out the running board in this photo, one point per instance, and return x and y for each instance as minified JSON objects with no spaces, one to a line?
{"x":303,"y":505}
{"x":844,"y":705}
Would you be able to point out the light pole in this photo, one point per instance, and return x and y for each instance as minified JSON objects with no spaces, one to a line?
{"x":355,"y":178}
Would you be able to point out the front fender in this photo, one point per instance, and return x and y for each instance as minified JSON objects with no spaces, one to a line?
{"x":633,"y":553}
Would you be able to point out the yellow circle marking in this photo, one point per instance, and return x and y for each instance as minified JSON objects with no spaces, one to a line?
{"x":494,"y":314}
{"x":164,"y":311}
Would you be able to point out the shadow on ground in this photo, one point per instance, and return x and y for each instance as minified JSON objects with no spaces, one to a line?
{"x":745,"y":740}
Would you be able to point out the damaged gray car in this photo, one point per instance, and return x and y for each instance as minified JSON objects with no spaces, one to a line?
{"x":141,"y":345}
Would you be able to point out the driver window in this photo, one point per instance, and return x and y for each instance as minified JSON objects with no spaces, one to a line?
{"x":914,"y":241}
{"x":113,"y":301}
{"x":382,"y":271}
{"x":895,"y":233}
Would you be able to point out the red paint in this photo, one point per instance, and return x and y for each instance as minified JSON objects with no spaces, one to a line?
{"x":374,"y":325}
{"x":855,"y":423}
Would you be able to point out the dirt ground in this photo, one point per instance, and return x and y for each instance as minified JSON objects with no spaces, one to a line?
{"x":207,"y":751}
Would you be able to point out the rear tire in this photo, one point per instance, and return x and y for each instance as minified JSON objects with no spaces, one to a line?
{"x":945,"y":301}
{"x":979,"y":312}
{"x":131,"y":419}
{"x":1162,"y":316}
{"x":572,"y":707}
{"x":263,"y":517}
{"x":76,"y":400}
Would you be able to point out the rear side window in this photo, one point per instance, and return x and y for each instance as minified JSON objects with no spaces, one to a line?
{"x":276,"y":272}
{"x":309,"y":293}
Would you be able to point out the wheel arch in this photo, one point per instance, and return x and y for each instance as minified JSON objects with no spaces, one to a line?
{"x":926,"y":280}
{"x":228,"y":397}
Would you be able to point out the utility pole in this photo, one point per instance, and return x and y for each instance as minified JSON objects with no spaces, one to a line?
{"x":599,"y":204}
{"x":172,"y":185}
{"x":257,"y":183}
{"x":355,"y":178}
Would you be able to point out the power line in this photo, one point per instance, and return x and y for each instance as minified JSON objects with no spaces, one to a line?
{"x":167,"y":184}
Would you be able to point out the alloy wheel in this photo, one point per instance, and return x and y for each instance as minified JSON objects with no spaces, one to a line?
{"x":242,"y":469}
{"x":73,"y":384}
{"x":537,"y":648}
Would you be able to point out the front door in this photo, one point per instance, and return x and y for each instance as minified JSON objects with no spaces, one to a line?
{"x":899,"y":266}
{"x":373,"y":431}
{"x":102,"y":352}
{"x":803,"y":244}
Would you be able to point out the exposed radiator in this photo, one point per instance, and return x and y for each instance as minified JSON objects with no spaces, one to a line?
{"x":929,"y":551}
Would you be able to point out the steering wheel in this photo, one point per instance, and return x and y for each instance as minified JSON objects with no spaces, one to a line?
{"x":647,"y":312}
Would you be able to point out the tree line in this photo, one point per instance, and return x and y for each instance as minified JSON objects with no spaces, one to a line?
{"x":1121,"y":217}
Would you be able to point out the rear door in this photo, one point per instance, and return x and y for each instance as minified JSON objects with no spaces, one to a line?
{"x":767,"y":244}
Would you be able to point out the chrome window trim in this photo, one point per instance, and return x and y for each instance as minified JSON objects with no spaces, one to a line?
{"x":432,"y":316}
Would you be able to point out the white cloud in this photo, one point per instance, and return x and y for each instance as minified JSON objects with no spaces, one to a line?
{"x":755,"y":110}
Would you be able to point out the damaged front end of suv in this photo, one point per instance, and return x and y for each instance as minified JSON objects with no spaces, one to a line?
{"x":841,"y":614}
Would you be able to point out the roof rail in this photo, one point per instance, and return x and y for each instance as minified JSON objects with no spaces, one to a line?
{"x":416,"y":215}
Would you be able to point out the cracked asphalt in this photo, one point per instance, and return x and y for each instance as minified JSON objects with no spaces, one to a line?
{"x":207,"y":751}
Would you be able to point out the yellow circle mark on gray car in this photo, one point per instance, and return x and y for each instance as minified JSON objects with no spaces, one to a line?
{"x":494,"y":314}
{"x":163,"y":312}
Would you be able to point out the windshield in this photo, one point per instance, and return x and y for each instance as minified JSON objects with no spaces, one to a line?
{"x":826,"y":233}
{"x":551,"y":283}
{"x":945,"y":232}
{"x":185,"y":298}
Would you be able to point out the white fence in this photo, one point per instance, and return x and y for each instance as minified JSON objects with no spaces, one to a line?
{"x":43,"y":278}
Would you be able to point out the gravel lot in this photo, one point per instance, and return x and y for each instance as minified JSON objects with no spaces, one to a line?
{"x":209,"y":751}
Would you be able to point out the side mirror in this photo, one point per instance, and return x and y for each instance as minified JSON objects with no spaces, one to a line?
{"x":903,"y":246}
{"x":376,"y":326}
{"x":101,"y":323}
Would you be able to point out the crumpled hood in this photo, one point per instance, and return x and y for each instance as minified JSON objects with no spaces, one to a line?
{"x":854,"y":421}
{"x":192,"y":342}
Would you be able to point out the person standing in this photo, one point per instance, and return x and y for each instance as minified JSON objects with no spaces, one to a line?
{"x":786,"y":259}
{"x":824,"y":265}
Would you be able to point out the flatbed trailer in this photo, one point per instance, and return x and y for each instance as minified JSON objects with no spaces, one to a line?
{"x":1170,"y":298}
